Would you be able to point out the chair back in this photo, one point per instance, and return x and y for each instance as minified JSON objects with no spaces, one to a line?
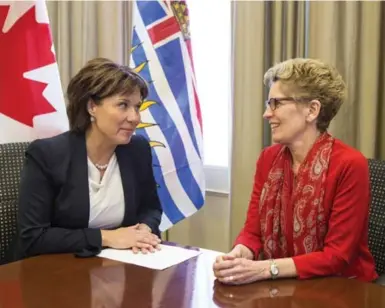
{"x":11,"y":163}
{"x":377,"y":213}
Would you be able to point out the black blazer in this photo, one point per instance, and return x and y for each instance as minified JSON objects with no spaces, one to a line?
{"x":54,"y":200}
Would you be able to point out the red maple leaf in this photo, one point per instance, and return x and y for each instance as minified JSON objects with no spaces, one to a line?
{"x":25,"y":47}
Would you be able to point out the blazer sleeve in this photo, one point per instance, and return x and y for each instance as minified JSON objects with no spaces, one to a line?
{"x":347,"y":222}
{"x":250,"y":235}
{"x":36,"y":202}
{"x":150,"y":209}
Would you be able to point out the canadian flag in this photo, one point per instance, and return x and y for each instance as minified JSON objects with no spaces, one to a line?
{"x":31,"y":97}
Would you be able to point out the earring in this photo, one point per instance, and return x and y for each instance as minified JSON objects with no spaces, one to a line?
{"x":92,"y":119}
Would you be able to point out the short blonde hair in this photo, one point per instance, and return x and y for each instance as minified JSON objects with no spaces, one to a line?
{"x":311,"y":79}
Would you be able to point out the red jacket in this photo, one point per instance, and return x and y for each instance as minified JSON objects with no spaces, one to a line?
{"x":347,"y":198}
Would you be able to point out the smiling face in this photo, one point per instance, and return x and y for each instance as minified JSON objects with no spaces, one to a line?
{"x":290,"y":120}
{"x":116,"y":116}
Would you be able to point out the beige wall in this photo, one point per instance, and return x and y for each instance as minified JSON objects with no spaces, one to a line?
{"x":209,"y":228}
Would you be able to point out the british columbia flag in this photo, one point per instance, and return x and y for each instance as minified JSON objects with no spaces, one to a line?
{"x":171,"y":117}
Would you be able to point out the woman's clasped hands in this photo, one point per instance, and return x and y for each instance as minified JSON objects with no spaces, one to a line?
{"x":139,"y":238}
{"x":238,"y":267}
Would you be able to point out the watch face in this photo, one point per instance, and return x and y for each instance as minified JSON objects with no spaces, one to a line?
{"x":274,"y":270}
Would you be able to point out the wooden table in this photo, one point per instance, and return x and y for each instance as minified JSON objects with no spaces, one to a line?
{"x":56,"y":281}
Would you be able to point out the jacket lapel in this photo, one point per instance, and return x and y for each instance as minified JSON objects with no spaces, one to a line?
{"x":79,"y":180}
{"x":128,"y":182}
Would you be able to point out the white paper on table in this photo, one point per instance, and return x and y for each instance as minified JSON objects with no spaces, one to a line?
{"x":159,"y":260}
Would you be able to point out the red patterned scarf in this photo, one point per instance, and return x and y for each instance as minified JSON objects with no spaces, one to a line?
{"x":292,"y":215}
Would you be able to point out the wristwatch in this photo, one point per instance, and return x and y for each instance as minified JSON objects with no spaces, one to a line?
{"x":273,"y":269}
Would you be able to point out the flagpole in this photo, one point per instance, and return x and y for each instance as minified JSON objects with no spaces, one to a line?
{"x":165,"y":236}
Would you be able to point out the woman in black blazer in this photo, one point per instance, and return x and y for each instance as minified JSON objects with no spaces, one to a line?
{"x":93,"y":186}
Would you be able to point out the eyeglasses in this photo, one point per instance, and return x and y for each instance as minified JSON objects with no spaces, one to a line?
{"x":274,"y":102}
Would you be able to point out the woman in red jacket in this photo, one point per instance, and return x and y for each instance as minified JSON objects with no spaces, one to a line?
{"x":308,"y":214}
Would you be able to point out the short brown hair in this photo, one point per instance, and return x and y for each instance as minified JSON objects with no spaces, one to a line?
{"x":98,"y":79}
{"x":313,"y":79}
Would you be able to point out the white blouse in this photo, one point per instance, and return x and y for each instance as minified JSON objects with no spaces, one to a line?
{"x":106,"y":196}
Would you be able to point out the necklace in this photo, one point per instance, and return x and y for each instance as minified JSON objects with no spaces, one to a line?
{"x":101,"y":167}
